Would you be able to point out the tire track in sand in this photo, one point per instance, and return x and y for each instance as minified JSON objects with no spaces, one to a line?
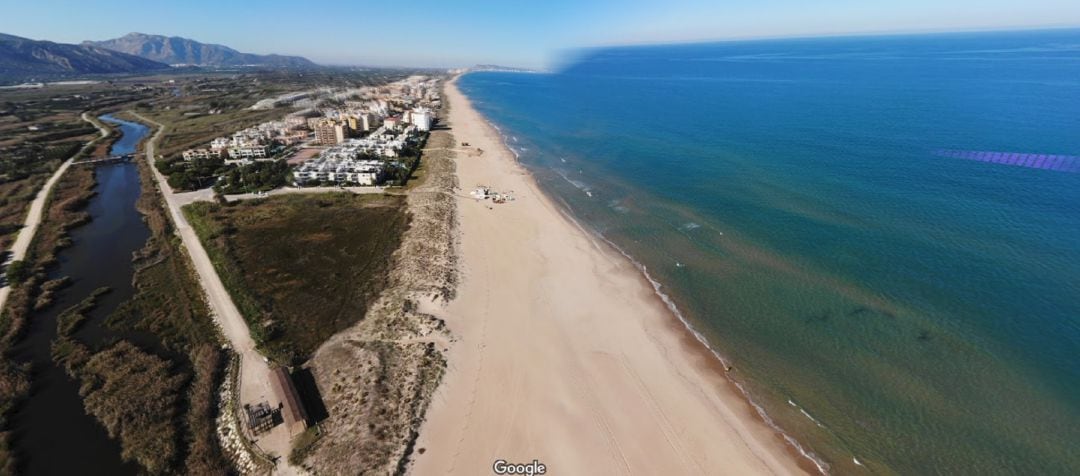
{"x":481,"y":345}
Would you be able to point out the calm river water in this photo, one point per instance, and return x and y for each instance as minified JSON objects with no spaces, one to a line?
{"x":53,"y":434}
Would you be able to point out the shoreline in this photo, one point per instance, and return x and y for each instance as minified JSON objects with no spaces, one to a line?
{"x":695,"y":341}
{"x":640,"y":364}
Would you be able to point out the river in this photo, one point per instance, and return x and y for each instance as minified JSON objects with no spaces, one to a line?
{"x":53,"y":434}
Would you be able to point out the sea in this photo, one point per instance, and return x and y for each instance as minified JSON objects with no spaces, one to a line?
{"x":880,"y":235}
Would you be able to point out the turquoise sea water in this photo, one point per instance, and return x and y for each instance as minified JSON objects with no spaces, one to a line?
{"x":881,"y":301}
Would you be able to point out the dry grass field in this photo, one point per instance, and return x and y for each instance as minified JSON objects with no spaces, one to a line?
{"x":301,"y":267}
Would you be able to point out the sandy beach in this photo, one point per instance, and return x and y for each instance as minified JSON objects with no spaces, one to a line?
{"x":564,"y":354}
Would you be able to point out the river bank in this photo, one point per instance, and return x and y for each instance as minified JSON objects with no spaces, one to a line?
{"x":590,"y":372}
{"x":35,"y":254}
{"x":253,"y":382}
{"x":35,"y":209}
{"x":88,"y":232}
{"x":142,"y":348}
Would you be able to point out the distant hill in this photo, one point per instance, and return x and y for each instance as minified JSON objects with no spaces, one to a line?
{"x":25,"y":58}
{"x":175,"y":50}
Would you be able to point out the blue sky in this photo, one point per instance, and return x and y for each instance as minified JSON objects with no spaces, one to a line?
{"x":449,"y":33}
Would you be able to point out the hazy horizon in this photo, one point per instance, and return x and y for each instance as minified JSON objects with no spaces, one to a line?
{"x":434,"y":34}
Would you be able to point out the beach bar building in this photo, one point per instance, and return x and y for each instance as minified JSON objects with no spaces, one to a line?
{"x":292,"y":409}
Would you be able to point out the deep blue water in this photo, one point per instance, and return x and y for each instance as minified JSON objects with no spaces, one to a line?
{"x":923,"y":310}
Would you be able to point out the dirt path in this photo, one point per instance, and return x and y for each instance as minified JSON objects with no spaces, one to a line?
{"x":255,"y":370}
{"x":207,"y":195}
{"x":37,"y":210}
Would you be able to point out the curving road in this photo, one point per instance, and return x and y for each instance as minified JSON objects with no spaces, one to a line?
{"x":255,"y":371}
{"x":37,"y":211}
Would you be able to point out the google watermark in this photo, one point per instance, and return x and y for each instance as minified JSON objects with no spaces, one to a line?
{"x":527,"y":469}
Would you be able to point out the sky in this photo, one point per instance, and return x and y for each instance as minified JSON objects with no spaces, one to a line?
{"x":522,"y":33}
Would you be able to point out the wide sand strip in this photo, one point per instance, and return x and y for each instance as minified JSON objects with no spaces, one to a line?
{"x":564,"y":353}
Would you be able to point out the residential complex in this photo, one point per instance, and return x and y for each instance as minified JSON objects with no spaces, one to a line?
{"x":361,"y":133}
{"x":330,"y":132}
{"x":339,"y":171}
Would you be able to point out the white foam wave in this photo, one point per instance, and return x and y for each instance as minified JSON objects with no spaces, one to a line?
{"x":616,"y":205}
{"x":689,"y":226}
{"x":820,"y":464}
{"x":506,"y":141}
{"x":805,"y":413}
{"x":576,"y":183}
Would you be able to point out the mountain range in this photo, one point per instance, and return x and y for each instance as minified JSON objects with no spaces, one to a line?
{"x":175,"y":50}
{"x":23,"y":58}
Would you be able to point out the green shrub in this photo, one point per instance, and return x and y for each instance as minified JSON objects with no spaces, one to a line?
{"x":18,"y":272}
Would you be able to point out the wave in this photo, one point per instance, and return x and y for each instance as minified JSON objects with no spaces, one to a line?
{"x":805,"y":413}
{"x":506,"y":141}
{"x":517,"y":150}
{"x":576,"y":183}
{"x":689,"y":226}
{"x":820,"y":464}
{"x":617,"y":205}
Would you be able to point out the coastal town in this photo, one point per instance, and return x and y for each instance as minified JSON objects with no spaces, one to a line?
{"x":369,"y":136}
{"x":306,"y":274}
{"x":479,"y":238}
{"x":191,"y":141}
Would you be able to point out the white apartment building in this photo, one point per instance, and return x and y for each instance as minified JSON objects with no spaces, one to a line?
{"x":192,"y":154}
{"x":368,"y":121}
{"x":250,"y":152}
{"x":421,"y":118}
{"x":341,"y":171}
{"x":220,"y":143}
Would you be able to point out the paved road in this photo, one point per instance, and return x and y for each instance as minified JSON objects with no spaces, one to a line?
{"x":37,"y":210}
{"x":255,"y":372}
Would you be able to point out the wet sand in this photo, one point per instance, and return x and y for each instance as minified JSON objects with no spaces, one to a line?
{"x":563,"y":352}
